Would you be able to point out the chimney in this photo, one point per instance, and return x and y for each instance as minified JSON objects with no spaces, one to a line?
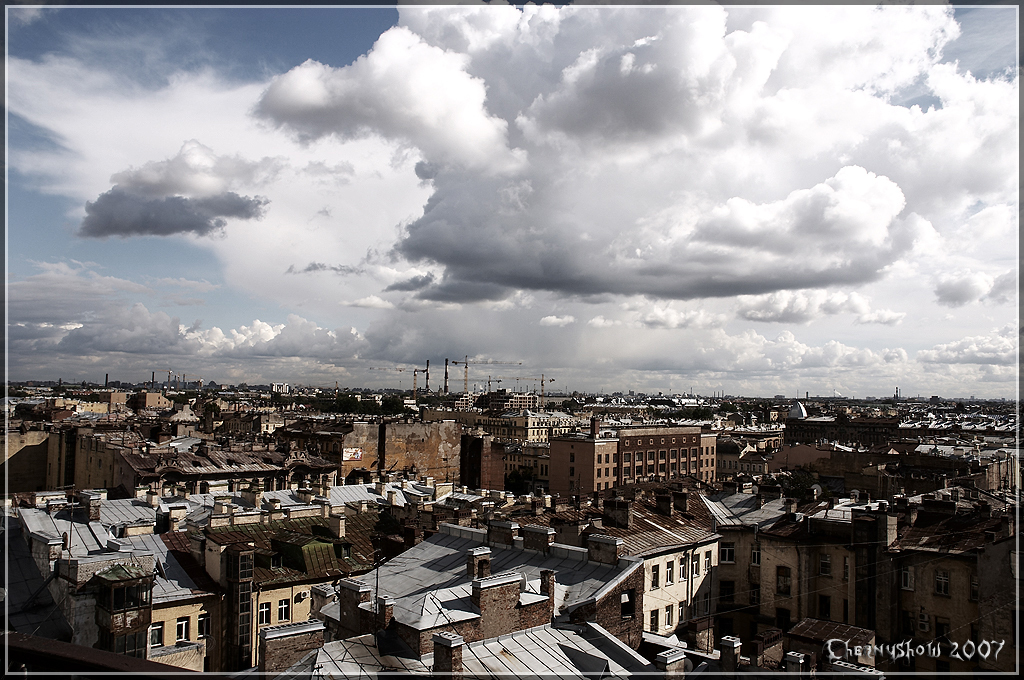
{"x":537,"y":538}
{"x":92,"y":501}
{"x":790,"y":506}
{"x":664,"y":504}
{"x":619,"y":513}
{"x":855,"y":496}
{"x":547,"y":583}
{"x":305,"y":495}
{"x":758,"y":501}
{"x":478,"y":562}
{"x":502,"y":533}
{"x":412,"y":536}
{"x":448,"y":656}
{"x":385,"y":612}
{"x":671,"y":662}
{"x":595,"y":427}
{"x":795,"y":663}
{"x":681,"y":501}
{"x":392,"y":497}
{"x":729,"y":488}
{"x":496,"y":596}
{"x":730,"y":654}
{"x":336,"y":524}
{"x":604,"y":549}
{"x":152,"y":498}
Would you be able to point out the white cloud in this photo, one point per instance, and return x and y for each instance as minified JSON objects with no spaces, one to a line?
{"x":965,"y":287}
{"x":998,"y":347}
{"x":557,"y":320}
{"x":402,"y":88}
{"x":370,"y":302}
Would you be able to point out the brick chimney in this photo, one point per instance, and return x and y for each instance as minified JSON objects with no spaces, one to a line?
{"x":502,"y":533}
{"x":497,"y":596}
{"x":385,"y":612}
{"x":604,"y":549}
{"x":478,"y":562}
{"x":595,"y":427}
{"x":448,"y":655}
{"x":92,"y":501}
{"x":412,"y":536}
{"x":681,"y":501}
{"x":795,"y":663}
{"x":337,"y":525}
{"x":537,"y":538}
{"x":152,"y":498}
{"x":547,"y":583}
{"x":671,"y":662}
{"x":352,"y":592}
{"x":619,"y":513}
{"x":730,"y":653}
{"x":790,"y":506}
{"x":664,"y":504}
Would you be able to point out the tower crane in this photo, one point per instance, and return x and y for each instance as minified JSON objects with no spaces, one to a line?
{"x":542,"y":380}
{"x":466,"y":363}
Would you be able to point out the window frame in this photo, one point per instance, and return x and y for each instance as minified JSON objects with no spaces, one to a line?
{"x":727,"y":553}
{"x":156,"y":634}
{"x":285,"y":606}
{"x":182,"y":629}
{"x":262,"y":620}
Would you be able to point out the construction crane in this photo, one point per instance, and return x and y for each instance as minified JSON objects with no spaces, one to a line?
{"x":466,"y":363}
{"x":186,"y":376}
{"x":542,"y":381}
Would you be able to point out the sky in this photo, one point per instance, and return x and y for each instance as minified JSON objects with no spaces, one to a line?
{"x":708,"y":199}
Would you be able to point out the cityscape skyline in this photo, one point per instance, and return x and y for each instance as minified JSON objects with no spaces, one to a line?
{"x":709,"y":199}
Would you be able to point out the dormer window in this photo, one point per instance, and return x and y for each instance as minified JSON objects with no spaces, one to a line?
{"x":277,"y":561}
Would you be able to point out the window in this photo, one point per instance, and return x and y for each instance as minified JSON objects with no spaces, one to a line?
{"x":682,"y":612}
{"x":670,"y":573}
{"x":941,"y":582}
{"x":825,"y":564}
{"x":203,"y":625}
{"x":264,"y":614}
{"x":156,"y":635}
{"x":284,"y":610}
{"x":846,"y":568}
{"x":727,"y":553}
{"x":782,"y":619}
{"x":755,"y":594}
{"x":572,"y":471}
{"x":628,"y":604}
{"x":572,"y":459}
{"x":824,"y":607}
{"x":682,"y":568}
{"x":907,"y":578}
{"x":668,"y":616}
{"x":906,"y":622}
{"x":654,"y":620}
{"x":276,"y":561}
{"x":654,"y":578}
{"x":707,"y":561}
{"x":727,"y":591}
{"x":705,"y":603}
{"x":599,"y":473}
{"x":696,"y":565}
{"x":755,"y":555}
{"x":941,"y":627}
{"x":783,"y":580}
{"x":974,"y":589}
{"x":181,"y":630}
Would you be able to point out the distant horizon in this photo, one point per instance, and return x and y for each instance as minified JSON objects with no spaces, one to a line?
{"x":706,"y":198}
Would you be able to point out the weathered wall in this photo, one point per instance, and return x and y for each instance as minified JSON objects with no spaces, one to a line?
{"x":25,"y":456}
{"x":433,"y":448}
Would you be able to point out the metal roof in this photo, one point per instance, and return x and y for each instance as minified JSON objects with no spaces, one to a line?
{"x":30,"y":608}
{"x":540,"y":652}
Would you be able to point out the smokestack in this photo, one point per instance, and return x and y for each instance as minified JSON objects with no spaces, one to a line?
{"x":106,"y":379}
{"x":152,"y":381}
{"x":427,"y":372}
{"x":446,"y":376}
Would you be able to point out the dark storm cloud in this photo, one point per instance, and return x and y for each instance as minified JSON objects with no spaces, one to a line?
{"x":415,"y":283}
{"x":121,"y":213}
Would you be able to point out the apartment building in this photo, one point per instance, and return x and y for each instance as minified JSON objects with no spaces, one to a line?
{"x":583,"y":463}
{"x":662,"y":453}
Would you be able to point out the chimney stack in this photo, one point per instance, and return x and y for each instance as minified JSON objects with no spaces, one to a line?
{"x":448,"y":656}
{"x":730,"y":653}
{"x":478,"y":562}
{"x":681,"y":501}
{"x":664,"y":504}
{"x":671,"y":662}
{"x":790,"y":506}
